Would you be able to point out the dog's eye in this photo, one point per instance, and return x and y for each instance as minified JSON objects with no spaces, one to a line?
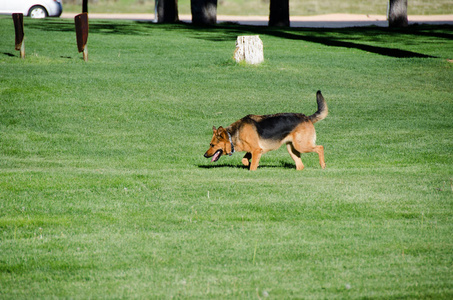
{"x":211,"y":145}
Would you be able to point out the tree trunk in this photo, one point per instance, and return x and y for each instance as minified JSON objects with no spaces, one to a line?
{"x":167,"y":11}
{"x":397,"y":13}
{"x":279,"y":13}
{"x":204,"y":12}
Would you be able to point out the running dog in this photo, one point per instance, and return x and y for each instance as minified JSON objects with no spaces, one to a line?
{"x":257,"y":135}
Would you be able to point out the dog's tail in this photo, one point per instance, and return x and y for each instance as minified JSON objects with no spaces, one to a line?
{"x":322,"y":111}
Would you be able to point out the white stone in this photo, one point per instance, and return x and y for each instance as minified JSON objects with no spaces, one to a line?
{"x":249,"y":48}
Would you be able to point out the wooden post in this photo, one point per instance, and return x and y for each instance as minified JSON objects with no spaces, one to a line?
{"x":22,"y":50}
{"x":18,"y":20}
{"x":81,"y":24}
{"x":85,"y":53}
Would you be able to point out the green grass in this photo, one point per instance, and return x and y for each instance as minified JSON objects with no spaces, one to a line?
{"x":104,"y":192}
{"x":261,"y":7}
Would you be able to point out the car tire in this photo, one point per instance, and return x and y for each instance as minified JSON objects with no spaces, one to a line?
{"x":37,"y":12}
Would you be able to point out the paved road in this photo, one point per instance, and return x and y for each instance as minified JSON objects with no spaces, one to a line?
{"x":328,"y":21}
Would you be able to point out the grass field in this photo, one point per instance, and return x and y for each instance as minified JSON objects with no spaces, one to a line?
{"x":105,"y":193}
{"x":261,"y":7}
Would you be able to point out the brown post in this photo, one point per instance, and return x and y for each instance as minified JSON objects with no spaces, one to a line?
{"x":18,"y":20}
{"x":81,"y":24}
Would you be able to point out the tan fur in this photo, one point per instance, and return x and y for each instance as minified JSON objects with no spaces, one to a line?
{"x":245,"y":137}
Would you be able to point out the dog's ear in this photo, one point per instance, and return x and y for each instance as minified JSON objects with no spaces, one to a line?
{"x":219,"y":131}
{"x":222,"y":132}
{"x":214,"y":129}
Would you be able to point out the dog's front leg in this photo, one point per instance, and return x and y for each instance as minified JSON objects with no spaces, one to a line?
{"x":246,"y":159}
{"x":256,"y":155}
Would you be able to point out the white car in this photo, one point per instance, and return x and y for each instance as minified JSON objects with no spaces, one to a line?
{"x":32,"y":8}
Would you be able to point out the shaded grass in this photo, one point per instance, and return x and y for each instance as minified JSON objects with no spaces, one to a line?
{"x":261,"y":7}
{"x":104,"y":191}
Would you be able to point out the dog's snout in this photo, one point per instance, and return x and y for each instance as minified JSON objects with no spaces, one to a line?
{"x":206,"y":155}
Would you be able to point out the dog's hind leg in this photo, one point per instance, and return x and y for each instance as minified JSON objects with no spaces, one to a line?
{"x":310,"y":148}
{"x":320,"y":150}
{"x":304,"y":141}
{"x":246,"y":159}
{"x":295,"y":155}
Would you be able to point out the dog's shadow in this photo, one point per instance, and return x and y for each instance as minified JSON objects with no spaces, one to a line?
{"x":282,"y":164}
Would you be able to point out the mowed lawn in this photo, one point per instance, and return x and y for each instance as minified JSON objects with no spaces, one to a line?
{"x":105,"y":193}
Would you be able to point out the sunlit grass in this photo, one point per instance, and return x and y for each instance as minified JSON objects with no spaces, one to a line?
{"x":105,"y":193}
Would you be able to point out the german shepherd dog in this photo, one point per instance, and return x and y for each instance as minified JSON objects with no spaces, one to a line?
{"x":257,"y":135}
